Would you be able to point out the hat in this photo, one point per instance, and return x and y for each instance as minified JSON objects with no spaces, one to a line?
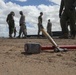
{"x":48,"y":19}
{"x":12,"y":13}
{"x":21,"y":12}
{"x":41,"y":12}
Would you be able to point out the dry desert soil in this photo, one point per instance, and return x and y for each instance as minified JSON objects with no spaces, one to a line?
{"x":14,"y":61}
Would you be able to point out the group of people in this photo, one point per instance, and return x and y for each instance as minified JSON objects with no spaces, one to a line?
{"x":12,"y":28}
{"x":67,"y":17}
{"x":66,"y":14}
{"x":11,"y":25}
{"x":40,"y":25}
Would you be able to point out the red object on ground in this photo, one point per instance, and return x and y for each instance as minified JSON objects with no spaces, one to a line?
{"x":61,"y":46}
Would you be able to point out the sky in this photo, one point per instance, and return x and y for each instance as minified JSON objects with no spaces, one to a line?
{"x":31,"y":10}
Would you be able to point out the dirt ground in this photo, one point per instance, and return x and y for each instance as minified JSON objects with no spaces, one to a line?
{"x":13,"y":61}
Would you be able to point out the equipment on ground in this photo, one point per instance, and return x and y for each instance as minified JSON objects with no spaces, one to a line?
{"x":34,"y":48}
{"x":56,"y":47}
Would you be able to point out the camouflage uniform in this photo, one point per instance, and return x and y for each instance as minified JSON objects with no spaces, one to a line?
{"x":49,"y":28}
{"x":11,"y":24}
{"x":22,"y":25}
{"x":67,"y":10}
{"x":40,"y":23}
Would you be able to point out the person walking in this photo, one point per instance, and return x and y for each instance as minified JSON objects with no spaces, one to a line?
{"x":11,"y":24}
{"x":67,"y":10}
{"x":49,"y":27}
{"x":22,"y":25}
{"x":40,"y":23}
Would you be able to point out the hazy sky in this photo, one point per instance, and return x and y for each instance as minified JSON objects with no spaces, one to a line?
{"x":31,"y":9}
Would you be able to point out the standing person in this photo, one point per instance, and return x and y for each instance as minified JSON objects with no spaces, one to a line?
{"x":22,"y":25}
{"x":40,"y":23}
{"x":67,"y":10}
{"x":11,"y":24}
{"x":49,"y":27}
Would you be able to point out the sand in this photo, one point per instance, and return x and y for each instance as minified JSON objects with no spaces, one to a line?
{"x":13,"y":61}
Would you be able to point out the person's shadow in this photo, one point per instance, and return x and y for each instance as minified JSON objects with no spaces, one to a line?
{"x":25,"y":53}
{"x":45,"y":51}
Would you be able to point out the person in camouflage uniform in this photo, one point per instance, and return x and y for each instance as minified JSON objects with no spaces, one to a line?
{"x":49,"y":27}
{"x":67,"y":10}
{"x":22,"y":25}
{"x":40,"y":23}
{"x":11,"y":24}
